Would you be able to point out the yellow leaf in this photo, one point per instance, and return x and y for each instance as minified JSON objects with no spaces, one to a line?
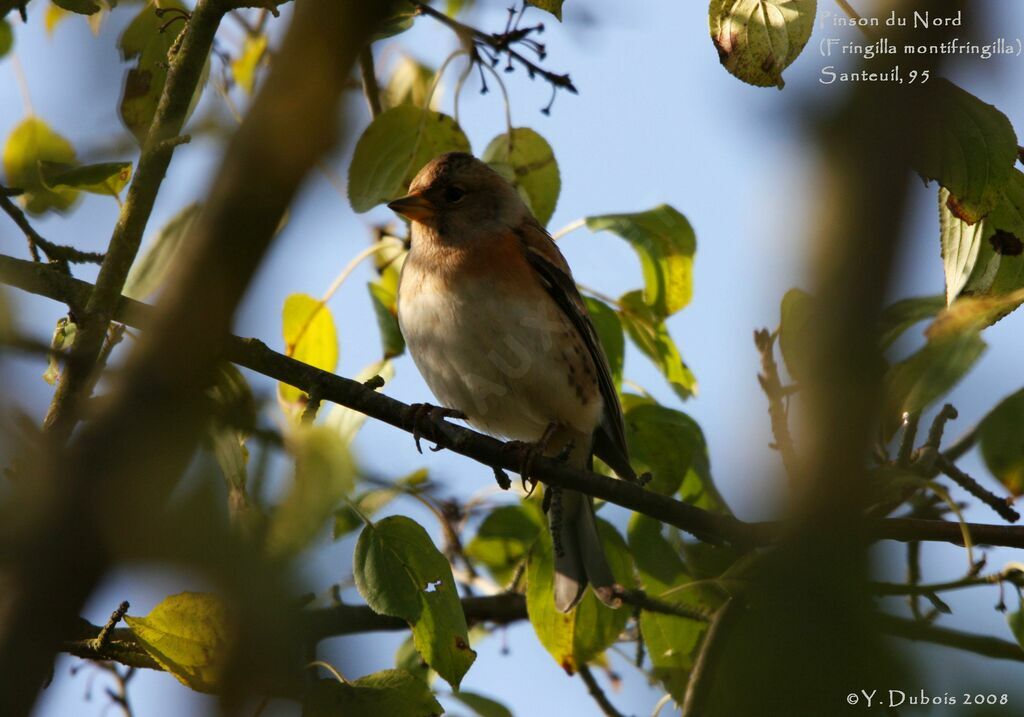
{"x":32,"y":142}
{"x":53,"y":16}
{"x":244,"y":67}
{"x":309,"y":336}
{"x":189,"y":635}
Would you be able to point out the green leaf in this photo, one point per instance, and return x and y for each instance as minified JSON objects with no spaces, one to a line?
{"x":82,"y":7}
{"x":671,"y":445}
{"x":63,"y":339}
{"x":30,"y":143}
{"x":482,"y":706}
{"x":323,"y":476}
{"x":406,"y":658}
{"x":672,"y":642}
{"x":244,"y":66}
{"x":400,"y":573}
{"x":960,"y":244}
{"x":409,"y":83}
{"x":149,"y":271}
{"x":384,"y":298}
{"x":399,"y":21}
{"x":794,"y":331}
{"x":758,"y":39}
{"x":929,"y":374}
{"x":651,"y":336}
{"x":144,"y":42}
{"x":6,"y":37}
{"x":504,"y":539}
{"x":999,"y":268}
{"x":108,"y":178}
{"x":552,"y":6}
{"x":1016,"y":623}
{"x":533,"y":167}
{"x":189,"y":635}
{"x":609,"y":331}
{"x":1002,"y":442}
{"x":347,"y":518}
{"x":966,"y":145}
{"x":578,"y":636}
{"x":394,"y":148}
{"x":665,"y":243}
{"x":388,"y":693}
{"x":900,"y":316}
{"x":309,"y":336}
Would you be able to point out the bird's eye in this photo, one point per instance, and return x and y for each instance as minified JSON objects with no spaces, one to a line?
{"x":454,"y":194}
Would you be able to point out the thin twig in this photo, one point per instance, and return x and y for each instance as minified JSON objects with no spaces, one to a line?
{"x":993,"y":501}
{"x":371,"y":90}
{"x":642,"y":601}
{"x":115,"y":617}
{"x":773,"y":390}
{"x":607,"y":708}
{"x":55,"y":252}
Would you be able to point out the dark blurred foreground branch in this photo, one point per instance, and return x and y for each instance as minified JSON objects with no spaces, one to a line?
{"x":153,"y":420}
{"x":256,"y":356}
{"x":506,"y":608}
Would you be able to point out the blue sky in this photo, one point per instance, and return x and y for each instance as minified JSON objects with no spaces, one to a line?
{"x":657,"y":120}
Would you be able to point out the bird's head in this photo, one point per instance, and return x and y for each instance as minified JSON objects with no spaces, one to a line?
{"x":456,"y":194}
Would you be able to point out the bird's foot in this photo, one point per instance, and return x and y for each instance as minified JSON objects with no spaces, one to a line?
{"x":419,"y":413}
{"x":530,"y":452}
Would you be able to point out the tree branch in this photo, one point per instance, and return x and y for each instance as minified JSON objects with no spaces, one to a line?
{"x":54,"y":252}
{"x":256,"y":356}
{"x":603,"y":703}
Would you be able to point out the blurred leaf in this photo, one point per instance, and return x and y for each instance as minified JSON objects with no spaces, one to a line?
{"x":665,"y":243}
{"x":960,"y":245}
{"x":929,"y":374}
{"x":388,"y":693}
{"x":63,"y":339}
{"x":108,"y":178}
{"x":482,"y":706}
{"x":323,"y":476}
{"x":758,"y":39}
{"x":144,"y":41}
{"x":309,"y":336}
{"x":552,"y":6}
{"x":651,"y":336}
{"x":81,"y":7}
{"x":578,"y":636}
{"x":672,"y":642}
{"x":384,"y":298}
{"x":970,"y":313}
{"x":609,"y":331}
{"x":999,"y":267}
{"x":1002,"y":443}
{"x":234,"y":418}
{"x":454,"y":7}
{"x":399,"y":572}
{"x":189,"y":635}
{"x":900,"y":316}
{"x":6,"y":37}
{"x":794,"y":331}
{"x":399,"y":21}
{"x":30,"y":143}
{"x":149,"y":271}
{"x":347,"y":519}
{"x":966,"y":145}
{"x":244,"y":66}
{"x":409,"y":83}
{"x":504,"y":539}
{"x":1016,"y":622}
{"x":534,"y":168}
{"x":394,"y":148}
{"x":407,"y":658}
{"x":54,"y":15}
{"x":347,"y":421}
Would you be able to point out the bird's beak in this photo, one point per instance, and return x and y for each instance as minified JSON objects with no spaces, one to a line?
{"x":414,"y":206}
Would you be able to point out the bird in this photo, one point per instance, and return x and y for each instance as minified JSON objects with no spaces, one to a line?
{"x":496,"y":326}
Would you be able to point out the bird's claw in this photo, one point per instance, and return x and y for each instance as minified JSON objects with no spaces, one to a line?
{"x":530,"y":453}
{"x":419,"y":412}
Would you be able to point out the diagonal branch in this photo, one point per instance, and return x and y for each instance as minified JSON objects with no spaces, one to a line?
{"x":256,"y":356}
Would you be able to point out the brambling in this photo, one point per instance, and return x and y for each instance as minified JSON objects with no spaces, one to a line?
{"x":494,"y":322}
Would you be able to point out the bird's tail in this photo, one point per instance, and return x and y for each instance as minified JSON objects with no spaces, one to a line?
{"x":579,"y":557}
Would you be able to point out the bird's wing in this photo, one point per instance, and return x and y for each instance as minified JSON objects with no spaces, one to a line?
{"x":553,"y":272}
